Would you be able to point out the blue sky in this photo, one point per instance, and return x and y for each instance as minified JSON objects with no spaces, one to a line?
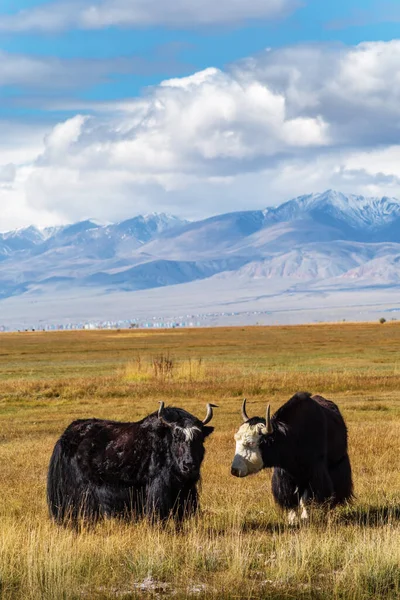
{"x":154,"y":53}
{"x":86,"y":71}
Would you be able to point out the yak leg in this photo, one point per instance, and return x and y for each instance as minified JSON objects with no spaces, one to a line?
{"x":286,"y":493}
{"x":158,"y":502}
{"x":319,"y":488}
{"x":304,"y":512}
{"x":187,"y":502}
{"x":163,"y":502}
{"x":342,"y":481}
{"x":284,"y":489}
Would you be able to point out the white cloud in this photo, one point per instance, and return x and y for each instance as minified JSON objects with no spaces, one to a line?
{"x":286,"y":122}
{"x":56,"y":16}
{"x":7,"y":173}
{"x":59,"y":141}
{"x":356,"y":89}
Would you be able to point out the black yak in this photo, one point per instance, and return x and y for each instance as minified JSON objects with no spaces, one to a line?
{"x":306,"y":443}
{"x":148,"y":468}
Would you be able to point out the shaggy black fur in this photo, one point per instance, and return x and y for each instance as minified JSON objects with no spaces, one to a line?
{"x":308,"y":448}
{"x":107,"y":468}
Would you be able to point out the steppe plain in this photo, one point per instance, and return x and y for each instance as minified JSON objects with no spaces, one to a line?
{"x":240,"y":545}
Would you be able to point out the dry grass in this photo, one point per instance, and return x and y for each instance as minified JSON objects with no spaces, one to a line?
{"x":240,"y":545}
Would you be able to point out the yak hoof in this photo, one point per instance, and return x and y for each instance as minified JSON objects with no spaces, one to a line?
{"x":292,"y":518}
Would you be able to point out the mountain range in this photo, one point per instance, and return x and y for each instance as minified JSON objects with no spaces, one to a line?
{"x":325,"y":241}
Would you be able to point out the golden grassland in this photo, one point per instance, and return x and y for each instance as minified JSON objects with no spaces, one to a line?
{"x":240,"y":546}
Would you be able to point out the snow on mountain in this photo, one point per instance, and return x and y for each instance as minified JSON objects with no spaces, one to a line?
{"x":48,"y":232}
{"x":314,"y":240}
{"x":20,"y":239}
{"x":325,"y":217}
{"x":357,"y":212}
{"x":24,"y":239}
{"x":69,"y":231}
{"x":144,"y":228}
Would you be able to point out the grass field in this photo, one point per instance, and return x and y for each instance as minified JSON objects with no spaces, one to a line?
{"x":240,"y":546}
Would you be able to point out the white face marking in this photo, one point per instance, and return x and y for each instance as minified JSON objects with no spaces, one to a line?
{"x":189,"y":432}
{"x":247,"y":459}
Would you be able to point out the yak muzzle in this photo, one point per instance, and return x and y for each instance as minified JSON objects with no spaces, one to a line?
{"x":239,"y":467}
{"x":237,"y":472}
{"x":190,"y":471}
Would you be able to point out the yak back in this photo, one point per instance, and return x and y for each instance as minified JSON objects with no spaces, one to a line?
{"x":123,"y":454}
{"x":313,"y":426}
{"x":336,"y":429}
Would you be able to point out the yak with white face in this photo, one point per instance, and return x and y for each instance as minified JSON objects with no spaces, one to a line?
{"x":248,"y":458}
{"x":305,"y":442}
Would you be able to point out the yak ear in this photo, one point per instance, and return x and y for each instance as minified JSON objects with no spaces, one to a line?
{"x":207,"y":430}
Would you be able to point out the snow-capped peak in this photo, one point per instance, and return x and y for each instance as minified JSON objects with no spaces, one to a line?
{"x":370,"y":213}
{"x":31,"y":231}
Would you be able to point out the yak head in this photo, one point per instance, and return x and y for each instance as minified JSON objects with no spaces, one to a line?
{"x":187,"y":438}
{"x":250,"y":437}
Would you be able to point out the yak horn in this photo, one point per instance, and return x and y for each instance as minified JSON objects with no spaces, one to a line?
{"x":268,"y":419}
{"x":160,"y":414}
{"x":244,"y":413}
{"x":160,"y":410}
{"x":209,"y":414}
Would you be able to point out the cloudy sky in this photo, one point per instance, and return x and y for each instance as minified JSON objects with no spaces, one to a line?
{"x":111,"y":108}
